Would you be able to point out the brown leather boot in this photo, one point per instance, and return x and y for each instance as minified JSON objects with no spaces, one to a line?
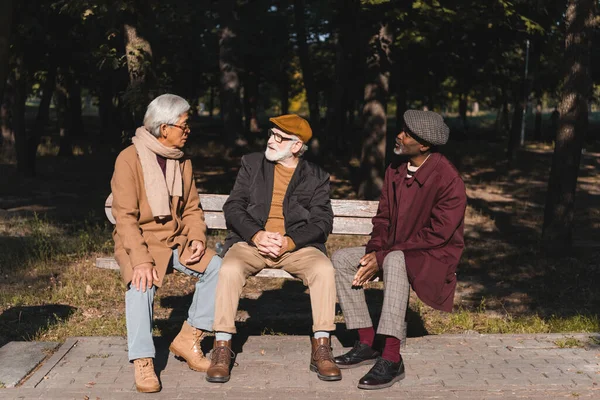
{"x":146,"y":380}
{"x":322,"y":361}
{"x":220,"y":362}
{"x":187,"y":346}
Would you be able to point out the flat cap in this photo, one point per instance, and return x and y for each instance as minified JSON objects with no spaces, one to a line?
{"x":428,"y":126}
{"x":293,"y":125}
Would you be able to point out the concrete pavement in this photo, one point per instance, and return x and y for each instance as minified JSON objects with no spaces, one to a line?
{"x":470,"y":366}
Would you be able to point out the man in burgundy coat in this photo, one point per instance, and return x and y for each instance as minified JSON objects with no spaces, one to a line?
{"x":417,"y":240}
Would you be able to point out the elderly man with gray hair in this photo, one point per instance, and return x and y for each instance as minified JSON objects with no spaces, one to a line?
{"x":159,"y":224}
{"x":417,"y":240}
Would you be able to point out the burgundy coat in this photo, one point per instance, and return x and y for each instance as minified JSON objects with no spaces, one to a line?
{"x":424,"y":217}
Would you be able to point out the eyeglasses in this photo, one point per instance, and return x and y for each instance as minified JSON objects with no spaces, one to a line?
{"x":279,"y":138}
{"x":184,"y":128}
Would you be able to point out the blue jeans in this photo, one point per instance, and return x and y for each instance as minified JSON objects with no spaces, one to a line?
{"x":139,"y":308}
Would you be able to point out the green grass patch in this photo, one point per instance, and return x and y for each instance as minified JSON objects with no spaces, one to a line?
{"x":569,"y":343}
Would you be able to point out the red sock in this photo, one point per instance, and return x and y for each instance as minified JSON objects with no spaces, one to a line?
{"x":366,"y":335}
{"x":391,"y":351}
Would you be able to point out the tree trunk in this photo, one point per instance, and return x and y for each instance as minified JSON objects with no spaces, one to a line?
{"x":374,"y":116}
{"x":139,"y":66}
{"x":61,"y":99}
{"x":251,"y":103}
{"x":401,"y":101}
{"x":18,"y":116}
{"x":284,"y":91}
{"x":515,"y":131}
{"x":7,"y":142}
{"x":6,"y":17}
{"x":337,"y":109}
{"x":106,"y":110}
{"x":505,"y":123}
{"x":342,"y":93}
{"x":74,"y":90}
{"x":43,"y":115}
{"x":211,"y":102}
{"x":231,"y":108}
{"x":462,"y":111}
{"x":537,"y":136}
{"x":557,"y":230}
{"x":312,"y":93}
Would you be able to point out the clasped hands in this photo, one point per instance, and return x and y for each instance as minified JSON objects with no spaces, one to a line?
{"x":145,"y":274}
{"x":271,"y":244}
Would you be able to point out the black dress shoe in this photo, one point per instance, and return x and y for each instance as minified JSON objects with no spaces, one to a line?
{"x":383,"y":374}
{"x":361,"y":354}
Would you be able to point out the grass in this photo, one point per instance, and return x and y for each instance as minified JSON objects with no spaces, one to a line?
{"x":569,"y":343}
{"x":50,"y":288}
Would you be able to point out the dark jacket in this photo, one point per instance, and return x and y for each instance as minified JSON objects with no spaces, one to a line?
{"x":424,"y":217}
{"x":306,"y":206}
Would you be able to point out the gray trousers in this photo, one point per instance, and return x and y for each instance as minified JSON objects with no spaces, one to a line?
{"x":139,"y":308}
{"x":395,"y":294}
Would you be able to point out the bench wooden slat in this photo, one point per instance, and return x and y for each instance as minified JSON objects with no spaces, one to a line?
{"x":341,"y":208}
{"x":351,"y":217}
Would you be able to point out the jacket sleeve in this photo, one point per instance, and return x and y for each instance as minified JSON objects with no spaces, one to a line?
{"x":235,"y":208}
{"x":320,"y":221}
{"x":381,"y":222}
{"x":446,"y":216}
{"x":193,"y":216}
{"x":125,"y":209}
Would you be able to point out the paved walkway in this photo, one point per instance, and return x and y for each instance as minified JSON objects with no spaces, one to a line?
{"x":438,"y":367}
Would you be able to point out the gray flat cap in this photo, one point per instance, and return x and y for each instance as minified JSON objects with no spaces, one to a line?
{"x":428,"y":126}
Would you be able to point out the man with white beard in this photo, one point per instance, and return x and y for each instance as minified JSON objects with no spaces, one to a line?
{"x":417,"y":240}
{"x":279,"y":216}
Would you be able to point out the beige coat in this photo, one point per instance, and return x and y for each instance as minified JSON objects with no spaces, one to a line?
{"x":138,"y":237}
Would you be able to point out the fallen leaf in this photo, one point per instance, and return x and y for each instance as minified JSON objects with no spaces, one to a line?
{"x":88,"y":289}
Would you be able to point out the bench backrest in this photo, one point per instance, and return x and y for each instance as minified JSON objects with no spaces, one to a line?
{"x":351,"y":217}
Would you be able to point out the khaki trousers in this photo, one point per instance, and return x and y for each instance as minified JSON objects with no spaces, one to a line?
{"x":309,"y":264}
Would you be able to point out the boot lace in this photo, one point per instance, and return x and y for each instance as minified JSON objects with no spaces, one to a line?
{"x":222,"y":355}
{"x":199,"y":335}
{"x":322,"y":353}
{"x":144,"y":368}
{"x":381,"y":366}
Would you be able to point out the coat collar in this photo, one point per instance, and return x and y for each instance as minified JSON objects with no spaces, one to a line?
{"x":422,"y":174}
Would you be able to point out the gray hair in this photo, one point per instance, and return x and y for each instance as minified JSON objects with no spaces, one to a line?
{"x":165,"y":109}
{"x":302,"y":150}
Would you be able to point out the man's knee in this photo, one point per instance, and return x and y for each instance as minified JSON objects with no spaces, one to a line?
{"x":394,"y":259}
{"x":345,"y":259}
{"x":214,"y":266}
{"x":231,"y":271}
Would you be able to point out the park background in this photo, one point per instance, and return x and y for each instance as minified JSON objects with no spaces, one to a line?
{"x":518,"y":83}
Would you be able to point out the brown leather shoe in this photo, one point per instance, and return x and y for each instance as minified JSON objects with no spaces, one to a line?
{"x":322,"y":362}
{"x":146,"y":380}
{"x":220,"y":362}
{"x":187,"y":346}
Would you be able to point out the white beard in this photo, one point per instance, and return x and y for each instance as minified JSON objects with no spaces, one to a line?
{"x":276,"y":156}
{"x":398,"y":150}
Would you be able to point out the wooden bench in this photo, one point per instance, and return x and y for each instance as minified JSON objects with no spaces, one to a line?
{"x":351,"y":217}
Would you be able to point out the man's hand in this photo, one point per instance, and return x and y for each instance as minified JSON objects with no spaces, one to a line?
{"x":144,"y":276}
{"x":367,"y":269}
{"x":197,"y":252}
{"x":268,"y":243}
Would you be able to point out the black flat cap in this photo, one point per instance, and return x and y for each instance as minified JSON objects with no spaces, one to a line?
{"x":428,"y":126}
